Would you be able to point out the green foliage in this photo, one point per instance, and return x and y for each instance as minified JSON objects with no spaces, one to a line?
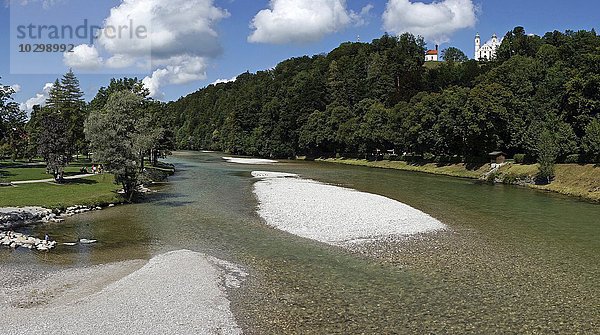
{"x":517,"y":42}
{"x":364,"y":98}
{"x":591,"y":141}
{"x":573,"y":159}
{"x":519,"y":158}
{"x":547,"y":152}
{"x":115,"y":136}
{"x":453,"y":54}
{"x":13,"y":138}
{"x":52,"y":141}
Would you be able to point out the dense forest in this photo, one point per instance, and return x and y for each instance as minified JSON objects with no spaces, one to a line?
{"x":539,"y":97}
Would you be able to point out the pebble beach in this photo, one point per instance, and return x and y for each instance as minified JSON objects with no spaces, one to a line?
{"x":333,"y":214}
{"x":180,"y":292}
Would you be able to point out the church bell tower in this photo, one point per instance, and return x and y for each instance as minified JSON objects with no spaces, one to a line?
{"x":477,"y":46}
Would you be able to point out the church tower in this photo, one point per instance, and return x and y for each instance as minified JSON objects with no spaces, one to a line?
{"x":494,"y":39}
{"x":477,"y":46}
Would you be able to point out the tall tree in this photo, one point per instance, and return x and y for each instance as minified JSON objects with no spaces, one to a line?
{"x":453,"y":54}
{"x":116,"y":137}
{"x":52,"y":141}
{"x":547,"y":153}
{"x":74,"y":111}
{"x":12,"y":122}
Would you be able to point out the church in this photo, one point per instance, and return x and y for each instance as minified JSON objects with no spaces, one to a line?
{"x":488,"y":50}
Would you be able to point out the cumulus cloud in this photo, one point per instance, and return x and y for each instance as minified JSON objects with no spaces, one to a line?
{"x":16,"y":88}
{"x":39,"y":99}
{"x":84,"y":57}
{"x":175,"y":70}
{"x":360,"y":19}
{"x":223,"y":81}
{"x":175,"y":40}
{"x":436,"y":21}
{"x":289,"y":21}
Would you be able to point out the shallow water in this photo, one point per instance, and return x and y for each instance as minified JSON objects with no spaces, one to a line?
{"x":515,"y":260}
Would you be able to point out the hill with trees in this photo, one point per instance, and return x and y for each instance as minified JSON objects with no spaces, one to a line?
{"x":539,"y":98}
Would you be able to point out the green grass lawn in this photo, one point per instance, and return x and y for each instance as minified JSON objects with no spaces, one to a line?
{"x":96,"y":190}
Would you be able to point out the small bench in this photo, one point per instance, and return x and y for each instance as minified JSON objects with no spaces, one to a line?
{"x":5,"y":184}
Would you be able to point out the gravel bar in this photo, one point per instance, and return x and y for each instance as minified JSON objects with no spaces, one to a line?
{"x":181,"y":292}
{"x":333,"y":214}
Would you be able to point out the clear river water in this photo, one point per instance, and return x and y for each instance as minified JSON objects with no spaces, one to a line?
{"x":513,"y":261}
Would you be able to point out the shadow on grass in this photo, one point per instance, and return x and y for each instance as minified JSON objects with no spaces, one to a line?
{"x":6,"y":174}
{"x":79,"y":181}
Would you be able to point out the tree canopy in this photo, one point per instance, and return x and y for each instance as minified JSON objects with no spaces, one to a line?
{"x":363,"y":98}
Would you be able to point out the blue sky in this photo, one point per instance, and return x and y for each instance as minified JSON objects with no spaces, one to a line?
{"x":223,"y":45}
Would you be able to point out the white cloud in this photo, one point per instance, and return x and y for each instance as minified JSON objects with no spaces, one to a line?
{"x":176,"y":40}
{"x":83,"y":57}
{"x":120,"y":61}
{"x":39,"y":99}
{"x":290,"y":21}
{"x":153,"y":82}
{"x":16,"y":88}
{"x":436,"y":21}
{"x":360,"y":19}
{"x":223,"y":81}
{"x":175,"y":70}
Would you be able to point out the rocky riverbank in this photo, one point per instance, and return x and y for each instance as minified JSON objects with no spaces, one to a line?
{"x":17,"y":240}
{"x":13,"y":217}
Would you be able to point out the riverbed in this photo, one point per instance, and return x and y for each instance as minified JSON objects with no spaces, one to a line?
{"x":512,"y":261}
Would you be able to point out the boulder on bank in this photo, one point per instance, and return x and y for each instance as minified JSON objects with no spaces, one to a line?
{"x":12,"y":216}
{"x":17,"y":240}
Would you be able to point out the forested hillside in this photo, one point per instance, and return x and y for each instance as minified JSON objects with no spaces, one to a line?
{"x":540,"y":97}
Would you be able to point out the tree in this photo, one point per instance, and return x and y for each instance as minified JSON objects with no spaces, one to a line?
{"x":591,"y":141}
{"x":73,"y":109}
{"x":517,"y":42}
{"x":52,"y":141}
{"x":115,"y":138}
{"x":547,"y":152}
{"x":453,"y":54}
{"x":133,"y":85}
{"x":12,"y":122}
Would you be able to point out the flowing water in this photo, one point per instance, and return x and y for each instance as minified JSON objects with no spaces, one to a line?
{"x":514,"y":260}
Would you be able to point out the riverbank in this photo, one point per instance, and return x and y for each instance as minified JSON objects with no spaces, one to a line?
{"x":180,"y":292}
{"x":98,"y":190}
{"x":581,"y":181}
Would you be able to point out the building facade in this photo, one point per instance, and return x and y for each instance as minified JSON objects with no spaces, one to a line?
{"x":488,"y":50}
{"x":432,"y":55}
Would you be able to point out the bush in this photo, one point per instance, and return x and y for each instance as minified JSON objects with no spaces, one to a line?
{"x":429,"y":157}
{"x":491,"y":177}
{"x":573,"y":159}
{"x":410,"y":158}
{"x":519,"y":158}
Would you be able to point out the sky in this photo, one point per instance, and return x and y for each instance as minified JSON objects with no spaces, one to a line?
{"x":179,"y":46}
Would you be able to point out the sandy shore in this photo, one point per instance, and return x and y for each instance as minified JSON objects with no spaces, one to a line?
{"x":332,"y":214}
{"x":181,"y":292}
{"x":249,"y":161}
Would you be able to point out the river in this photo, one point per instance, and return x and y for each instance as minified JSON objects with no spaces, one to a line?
{"x":513,"y":261}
